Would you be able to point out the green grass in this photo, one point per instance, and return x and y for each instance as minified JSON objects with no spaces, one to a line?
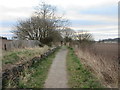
{"x":35,"y":76}
{"x":20,"y":55}
{"x":78,"y":75}
{"x":12,"y":57}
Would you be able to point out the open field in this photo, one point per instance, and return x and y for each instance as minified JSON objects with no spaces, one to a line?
{"x":19,"y":56}
{"x":107,"y":50}
{"x":102,"y":60}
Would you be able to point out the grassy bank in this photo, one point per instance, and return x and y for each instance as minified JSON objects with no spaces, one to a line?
{"x":20,"y":55}
{"x":78,"y":76}
{"x":35,"y":76}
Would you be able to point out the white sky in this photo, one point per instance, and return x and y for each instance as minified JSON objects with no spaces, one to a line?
{"x":74,"y":10}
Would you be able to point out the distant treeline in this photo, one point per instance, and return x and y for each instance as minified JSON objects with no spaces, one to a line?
{"x":110,"y":40}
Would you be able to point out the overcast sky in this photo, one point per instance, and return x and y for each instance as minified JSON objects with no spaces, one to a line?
{"x":99,"y":17}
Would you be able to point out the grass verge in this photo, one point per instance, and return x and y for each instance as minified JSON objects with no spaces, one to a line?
{"x":35,"y":76}
{"x":78,"y":75}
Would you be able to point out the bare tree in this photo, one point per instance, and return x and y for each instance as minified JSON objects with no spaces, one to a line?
{"x":43,"y":26}
{"x":84,"y":36}
{"x":67,"y":34}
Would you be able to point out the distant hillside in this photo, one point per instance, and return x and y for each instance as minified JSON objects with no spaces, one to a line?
{"x":110,"y":40}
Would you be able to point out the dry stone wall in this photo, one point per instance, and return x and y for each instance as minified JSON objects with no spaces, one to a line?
{"x":15,"y":72}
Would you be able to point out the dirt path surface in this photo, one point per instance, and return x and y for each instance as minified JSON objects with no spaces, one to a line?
{"x":57,"y":77}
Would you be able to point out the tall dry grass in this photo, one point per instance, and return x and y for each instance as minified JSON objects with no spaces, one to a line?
{"x":102,"y":60}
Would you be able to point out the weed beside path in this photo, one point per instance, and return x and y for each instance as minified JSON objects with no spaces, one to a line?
{"x":78,"y":76}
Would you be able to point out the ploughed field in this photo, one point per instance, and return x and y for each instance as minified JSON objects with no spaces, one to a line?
{"x":107,"y":50}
